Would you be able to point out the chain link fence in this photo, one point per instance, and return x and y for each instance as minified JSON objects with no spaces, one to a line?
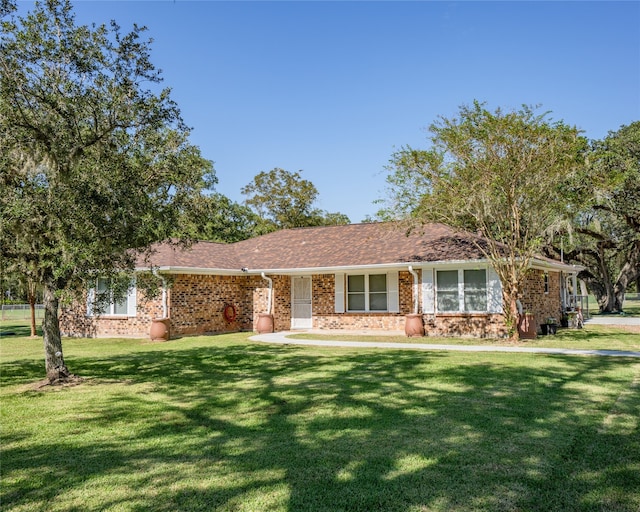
{"x":20,"y":312}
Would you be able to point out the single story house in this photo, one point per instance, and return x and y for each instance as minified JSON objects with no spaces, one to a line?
{"x":357,"y":276}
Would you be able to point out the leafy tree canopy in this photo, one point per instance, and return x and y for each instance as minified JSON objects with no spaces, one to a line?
{"x":502,"y":174}
{"x":96,"y":162}
{"x":605,"y":225}
{"x":216,"y":218}
{"x":284,"y":199}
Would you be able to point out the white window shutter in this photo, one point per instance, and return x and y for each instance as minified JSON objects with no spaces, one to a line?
{"x":494,"y":292}
{"x":91,"y":297}
{"x":339,"y":295}
{"x":428,"y":292}
{"x":132,"y":299}
{"x":460,"y":289}
{"x":393,"y":296}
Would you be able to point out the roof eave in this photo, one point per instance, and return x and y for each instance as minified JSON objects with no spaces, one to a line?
{"x":400,"y":265}
{"x":539,"y":264}
{"x":169,"y":269}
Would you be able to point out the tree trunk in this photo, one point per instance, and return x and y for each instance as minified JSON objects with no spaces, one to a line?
{"x":607,"y":300}
{"x":54,"y":360}
{"x":32,"y":307}
{"x":31,"y":292}
{"x":510,"y":307}
{"x":628,"y":274}
{"x":604,"y":293}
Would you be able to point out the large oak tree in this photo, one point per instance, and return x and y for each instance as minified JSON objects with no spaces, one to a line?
{"x":500,"y":173}
{"x":96,"y":164}
{"x":605,"y":226}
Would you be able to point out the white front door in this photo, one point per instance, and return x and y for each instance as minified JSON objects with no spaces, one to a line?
{"x":301,"y":303}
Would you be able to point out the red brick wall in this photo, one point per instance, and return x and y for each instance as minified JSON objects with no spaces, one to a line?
{"x":323,"y":296}
{"x":75,"y":322}
{"x":196,"y":306}
{"x":197,"y":302}
{"x":465,"y":325}
{"x":453,"y":324}
{"x":281,"y":302}
{"x":405,"y":288}
{"x":536,"y":301}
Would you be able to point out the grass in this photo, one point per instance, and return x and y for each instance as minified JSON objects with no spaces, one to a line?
{"x":9,"y":315}
{"x":222,"y":423}
{"x":20,"y":328}
{"x":630,"y":307}
{"x":593,"y":337}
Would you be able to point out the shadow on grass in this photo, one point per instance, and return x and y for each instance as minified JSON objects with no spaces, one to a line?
{"x":246,"y":427}
{"x":18,"y":329}
{"x":593,"y":334}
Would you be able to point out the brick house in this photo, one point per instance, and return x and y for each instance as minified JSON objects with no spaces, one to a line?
{"x":358,"y":276}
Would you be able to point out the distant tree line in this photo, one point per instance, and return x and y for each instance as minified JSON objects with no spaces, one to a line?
{"x":277,"y":199}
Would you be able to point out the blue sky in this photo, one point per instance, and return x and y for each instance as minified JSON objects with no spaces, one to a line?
{"x":333,"y":88}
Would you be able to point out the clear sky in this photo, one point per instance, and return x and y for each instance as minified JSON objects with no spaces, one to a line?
{"x":333,"y":88}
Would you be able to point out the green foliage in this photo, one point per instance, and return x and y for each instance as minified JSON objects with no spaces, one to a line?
{"x":605,"y":207}
{"x":216,"y":218}
{"x":334,"y":219}
{"x":7,"y":7}
{"x":615,"y":173}
{"x":284,"y":200}
{"x":502,"y":174}
{"x":95,"y":167}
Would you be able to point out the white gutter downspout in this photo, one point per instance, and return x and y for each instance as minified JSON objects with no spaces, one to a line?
{"x":164,"y":292}
{"x":270,"y":291}
{"x":415,"y":289}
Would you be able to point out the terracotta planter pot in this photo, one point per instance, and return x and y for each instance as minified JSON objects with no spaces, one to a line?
{"x":265,"y":323}
{"x":160,"y":329}
{"x":413,"y":326}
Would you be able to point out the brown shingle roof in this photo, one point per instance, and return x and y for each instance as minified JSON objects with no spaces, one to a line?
{"x":211,"y":255}
{"x":327,"y":247}
{"x":354,"y":245}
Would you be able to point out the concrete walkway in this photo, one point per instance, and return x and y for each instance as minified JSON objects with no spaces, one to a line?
{"x":613,"y":320}
{"x":283,"y":339}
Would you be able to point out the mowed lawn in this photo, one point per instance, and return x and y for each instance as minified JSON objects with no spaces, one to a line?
{"x":224,"y":423}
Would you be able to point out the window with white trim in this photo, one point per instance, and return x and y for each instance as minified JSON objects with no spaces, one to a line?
{"x":367,"y":292}
{"x":461,"y":291}
{"x":102,"y":300}
{"x":546,"y":282}
{"x":448,"y":293}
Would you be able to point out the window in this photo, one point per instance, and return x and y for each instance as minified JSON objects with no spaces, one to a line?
{"x":546,"y":282}
{"x":448,"y":299}
{"x":367,"y":292}
{"x":475,"y":290}
{"x":461,"y":290}
{"x":104,"y":303}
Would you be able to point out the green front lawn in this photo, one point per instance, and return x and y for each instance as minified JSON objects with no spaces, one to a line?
{"x":592,"y":337}
{"x":631,"y":307}
{"x":223,"y":423}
